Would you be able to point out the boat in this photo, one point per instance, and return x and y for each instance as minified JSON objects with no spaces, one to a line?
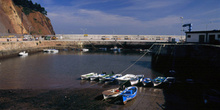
{"x":147,"y":82}
{"x":23,"y":53}
{"x":134,"y":79}
{"x":115,"y":92}
{"x":125,"y":78}
{"x":111,"y":77}
{"x":96,"y":76}
{"x":51,"y":50}
{"x":169,"y":81}
{"x":88,"y":75}
{"x":128,"y":94}
{"x":158,"y":81}
{"x":85,"y":50}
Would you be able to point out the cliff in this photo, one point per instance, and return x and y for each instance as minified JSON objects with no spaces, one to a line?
{"x":14,"y":21}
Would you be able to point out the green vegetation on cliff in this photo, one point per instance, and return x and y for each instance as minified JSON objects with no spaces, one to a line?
{"x":28,"y":6}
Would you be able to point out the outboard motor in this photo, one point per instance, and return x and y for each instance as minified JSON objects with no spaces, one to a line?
{"x":190,"y":26}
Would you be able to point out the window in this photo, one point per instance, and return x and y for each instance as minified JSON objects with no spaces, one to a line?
{"x":189,"y":36}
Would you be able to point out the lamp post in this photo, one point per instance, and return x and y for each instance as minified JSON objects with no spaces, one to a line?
{"x":84,"y":30}
{"x":181,"y":18}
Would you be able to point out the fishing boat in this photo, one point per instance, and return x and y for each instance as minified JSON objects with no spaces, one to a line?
{"x":158,"y":81}
{"x":115,"y":92}
{"x":96,"y":76}
{"x":128,"y":94}
{"x":51,"y":50}
{"x":23,"y":53}
{"x":126,"y":78}
{"x":88,"y":75}
{"x":85,"y":50}
{"x":111,"y":77}
{"x":134,"y":79}
{"x":147,"y":82}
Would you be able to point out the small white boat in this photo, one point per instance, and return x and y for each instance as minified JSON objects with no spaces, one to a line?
{"x":87,"y":76}
{"x":51,"y":50}
{"x":96,"y":76}
{"x":23,"y":53}
{"x":112,"y":77}
{"x":134,"y":79}
{"x":85,"y":50}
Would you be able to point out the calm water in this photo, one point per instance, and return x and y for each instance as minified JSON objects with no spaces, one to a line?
{"x":63,"y":70}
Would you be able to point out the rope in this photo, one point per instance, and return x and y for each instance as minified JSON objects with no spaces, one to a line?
{"x":137,"y":60}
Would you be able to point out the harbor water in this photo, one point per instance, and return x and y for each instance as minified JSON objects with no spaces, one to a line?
{"x":52,"y":81}
{"x":63,"y":70}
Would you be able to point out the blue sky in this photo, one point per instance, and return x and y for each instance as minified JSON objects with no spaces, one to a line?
{"x":138,"y":17}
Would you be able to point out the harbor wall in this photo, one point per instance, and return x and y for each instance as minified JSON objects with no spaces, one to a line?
{"x":12,"y":48}
{"x":198,"y":62}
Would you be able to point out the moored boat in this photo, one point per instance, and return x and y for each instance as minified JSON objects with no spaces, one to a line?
{"x":158,"y":81}
{"x":24,"y":53}
{"x":96,"y":76}
{"x":85,"y":50}
{"x":128,"y":94}
{"x":51,"y":50}
{"x":112,"y":77}
{"x":126,"y":78}
{"x":113,"y":93}
{"x":134,"y":79}
{"x":87,"y":76}
{"x":147,"y":82}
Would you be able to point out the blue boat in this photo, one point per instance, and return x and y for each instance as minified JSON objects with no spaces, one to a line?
{"x":158,"y":81}
{"x":112,"y":77}
{"x":128,"y":94}
{"x":147,"y":82}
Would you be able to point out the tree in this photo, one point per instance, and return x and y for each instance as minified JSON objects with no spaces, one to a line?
{"x":28,"y":6}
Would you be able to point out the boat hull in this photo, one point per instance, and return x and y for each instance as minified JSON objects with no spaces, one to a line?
{"x":128,"y":94}
{"x":111,"y":93}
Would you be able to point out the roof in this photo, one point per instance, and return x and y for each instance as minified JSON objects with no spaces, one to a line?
{"x":209,"y":31}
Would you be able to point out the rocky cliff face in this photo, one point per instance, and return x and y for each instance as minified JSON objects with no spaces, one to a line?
{"x":13,"y":20}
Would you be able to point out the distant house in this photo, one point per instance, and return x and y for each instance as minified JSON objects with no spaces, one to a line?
{"x":208,"y":37}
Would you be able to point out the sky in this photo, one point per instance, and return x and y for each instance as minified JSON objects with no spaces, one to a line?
{"x":136,"y":17}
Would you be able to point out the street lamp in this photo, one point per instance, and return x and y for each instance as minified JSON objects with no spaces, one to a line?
{"x":181,"y":18}
{"x":84,"y":30}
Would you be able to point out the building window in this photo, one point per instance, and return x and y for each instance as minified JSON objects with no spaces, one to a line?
{"x":189,"y":36}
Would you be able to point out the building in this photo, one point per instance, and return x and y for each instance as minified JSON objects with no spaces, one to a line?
{"x":208,"y":37}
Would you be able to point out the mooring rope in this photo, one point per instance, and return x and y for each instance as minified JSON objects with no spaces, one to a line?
{"x":136,"y":60}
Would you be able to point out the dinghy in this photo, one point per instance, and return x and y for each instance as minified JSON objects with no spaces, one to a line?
{"x":23,"y":53}
{"x":96,"y":76}
{"x":111,"y":78}
{"x":87,"y":76}
{"x":128,"y":94}
{"x":113,"y":93}
{"x":158,"y":81}
{"x":134,"y":79}
{"x":126,"y":77}
{"x":147,"y":82}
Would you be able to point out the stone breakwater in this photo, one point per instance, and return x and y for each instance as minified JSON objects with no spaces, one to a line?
{"x":12,"y":48}
{"x":8,"y":49}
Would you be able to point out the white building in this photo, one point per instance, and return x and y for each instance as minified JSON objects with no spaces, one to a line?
{"x":209,"y":37}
